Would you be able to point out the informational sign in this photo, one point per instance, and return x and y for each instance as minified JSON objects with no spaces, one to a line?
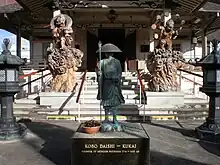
{"x":110,"y":148}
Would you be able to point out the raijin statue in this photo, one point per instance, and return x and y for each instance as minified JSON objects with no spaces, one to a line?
{"x":163,"y":63}
{"x":63,"y":59}
{"x":110,"y":94}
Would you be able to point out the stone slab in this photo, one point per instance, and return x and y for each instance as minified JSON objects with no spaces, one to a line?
{"x":165,"y":98}
{"x":131,"y":147}
{"x":58,"y":99}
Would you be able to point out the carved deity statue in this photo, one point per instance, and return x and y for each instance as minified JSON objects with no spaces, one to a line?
{"x":63,"y":60}
{"x":163,"y":62}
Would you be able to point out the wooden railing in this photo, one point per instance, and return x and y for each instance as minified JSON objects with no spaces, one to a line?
{"x":142,"y":88}
{"x":194,"y":82}
{"x":81,"y":86}
{"x":32,"y":73}
{"x":142,"y":92}
{"x":190,"y":73}
{"x":184,"y":77}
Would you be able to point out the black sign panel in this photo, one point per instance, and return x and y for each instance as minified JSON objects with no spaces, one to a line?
{"x":109,"y":151}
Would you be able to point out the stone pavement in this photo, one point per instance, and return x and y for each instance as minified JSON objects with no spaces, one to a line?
{"x":49,"y":142}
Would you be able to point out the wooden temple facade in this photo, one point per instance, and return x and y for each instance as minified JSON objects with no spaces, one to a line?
{"x":126,"y":24}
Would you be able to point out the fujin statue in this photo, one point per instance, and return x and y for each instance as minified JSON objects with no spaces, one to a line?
{"x":109,"y":92}
{"x":163,"y":63}
{"x":62,"y":58}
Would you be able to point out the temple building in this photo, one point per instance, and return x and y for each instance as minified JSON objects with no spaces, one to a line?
{"x":126,"y":24}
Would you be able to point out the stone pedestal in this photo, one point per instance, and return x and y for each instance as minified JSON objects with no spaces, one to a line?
{"x":159,"y":99}
{"x":131,"y":147}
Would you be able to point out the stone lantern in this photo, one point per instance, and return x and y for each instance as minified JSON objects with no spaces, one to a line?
{"x":9,"y":86}
{"x":210,"y":64}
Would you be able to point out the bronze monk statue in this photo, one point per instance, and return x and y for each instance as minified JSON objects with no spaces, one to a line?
{"x":109,"y":92}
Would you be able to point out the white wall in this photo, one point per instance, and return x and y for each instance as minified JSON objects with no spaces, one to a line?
{"x":188,"y":49}
{"x":37,"y":49}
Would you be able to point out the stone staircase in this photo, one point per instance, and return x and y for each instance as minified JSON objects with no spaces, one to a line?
{"x":89,"y":106}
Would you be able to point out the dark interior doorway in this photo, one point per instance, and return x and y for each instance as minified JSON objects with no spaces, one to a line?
{"x":130,"y":45}
{"x":116,"y":37}
{"x":130,"y":50}
{"x":92,"y":46}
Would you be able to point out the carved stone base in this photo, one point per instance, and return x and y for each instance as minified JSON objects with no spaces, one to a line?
{"x":17,"y":131}
{"x":131,"y":147}
{"x":209,"y":131}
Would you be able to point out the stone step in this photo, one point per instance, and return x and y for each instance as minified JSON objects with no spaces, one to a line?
{"x":136,"y":114}
{"x":94,"y":78}
{"x":94,"y":101}
{"x":25,"y":101}
{"x":94,"y":73}
{"x":91,"y":106}
{"x":24,"y":105}
{"x":132,"y":111}
{"x":95,"y":86}
{"x":195,"y":100}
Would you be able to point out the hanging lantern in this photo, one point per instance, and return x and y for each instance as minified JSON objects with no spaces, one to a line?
{"x":194,"y":40}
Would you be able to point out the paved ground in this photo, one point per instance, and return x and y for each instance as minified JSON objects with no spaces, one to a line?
{"x":48,"y":143}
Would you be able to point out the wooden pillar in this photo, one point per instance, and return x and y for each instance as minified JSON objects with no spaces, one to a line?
{"x":31,"y":49}
{"x":74,"y":36}
{"x":204,"y":44}
{"x":18,"y":41}
{"x":151,"y":40}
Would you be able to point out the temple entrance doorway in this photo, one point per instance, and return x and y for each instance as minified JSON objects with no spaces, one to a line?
{"x":116,"y":37}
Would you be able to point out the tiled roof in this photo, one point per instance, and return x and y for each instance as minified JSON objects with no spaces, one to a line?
{"x":211,"y":6}
{"x":37,"y":6}
{"x":7,"y":2}
{"x":9,"y":6}
{"x":189,"y":6}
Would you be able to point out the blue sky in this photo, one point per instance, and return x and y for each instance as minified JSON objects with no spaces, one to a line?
{"x":25,"y":45}
{"x":5,"y":34}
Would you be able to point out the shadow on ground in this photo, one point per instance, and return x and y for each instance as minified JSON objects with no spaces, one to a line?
{"x":57,"y":146}
{"x":191,"y":133}
{"x":57,"y":141}
{"x":158,"y":158}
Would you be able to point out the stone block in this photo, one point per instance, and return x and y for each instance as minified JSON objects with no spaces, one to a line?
{"x":131,"y":147}
{"x":155,"y":99}
{"x":58,"y":99}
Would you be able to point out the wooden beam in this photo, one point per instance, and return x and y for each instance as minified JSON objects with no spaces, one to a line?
{"x":9,"y":26}
{"x":199,"y":6}
{"x":210,"y":23}
{"x":23,"y":5}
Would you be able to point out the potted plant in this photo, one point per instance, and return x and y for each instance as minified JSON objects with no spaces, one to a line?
{"x":91,"y":126}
